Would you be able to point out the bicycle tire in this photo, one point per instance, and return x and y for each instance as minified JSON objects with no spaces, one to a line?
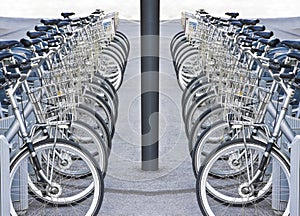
{"x":106,"y":95}
{"x":67,"y":195}
{"x":192,"y":85}
{"x":92,"y":118}
{"x":199,"y":106}
{"x":96,"y":103}
{"x":84,"y":135}
{"x":207,"y":141}
{"x":196,"y":93}
{"x":236,"y":200}
{"x":103,"y":82}
{"x":204,"y":121}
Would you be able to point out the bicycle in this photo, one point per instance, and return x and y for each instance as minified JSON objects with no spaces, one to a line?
{"x":251,"y":163}
{"x":78,"y":131}
{"x":47,"y":165}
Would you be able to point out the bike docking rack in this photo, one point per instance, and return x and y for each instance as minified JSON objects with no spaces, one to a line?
{"x":295,"y":176}
{"x":4,"y":165}
{"x":5,"y":150}
{"x":204,"y":72}
{"x":76,"y":61}
{"x":292,"y":151}
{"x":4,"y":175}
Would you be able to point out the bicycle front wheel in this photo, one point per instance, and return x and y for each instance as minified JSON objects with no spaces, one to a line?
{"x":65,"y":191}
{"x":235,"y":193}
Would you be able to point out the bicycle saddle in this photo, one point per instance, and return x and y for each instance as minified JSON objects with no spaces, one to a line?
{"x":232,"y":14}
{"x":63,"y":23}
{"x":264,"y":34}
{"x":43,"y":28}
{"x":270,"y":42}
{"x":236,"y":23}
{"x":29,"y":42}
{"x":257,"y":28}
{"x":5,"y":54}
{"x":35,"y":34}
{"x":50,"y":21}
{"x":249,"y":21}
{"x":4,"y":44}
{"x":67,"y":14}
{"x":292,"y":44}
{"x":295,"y":55}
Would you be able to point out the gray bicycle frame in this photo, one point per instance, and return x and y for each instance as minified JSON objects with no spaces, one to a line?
{"x":14,"y":127}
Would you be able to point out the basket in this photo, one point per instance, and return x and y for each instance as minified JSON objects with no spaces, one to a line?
{"x":218,"y":61}
{"x":56,"y":96}
{"x":239,"y":93}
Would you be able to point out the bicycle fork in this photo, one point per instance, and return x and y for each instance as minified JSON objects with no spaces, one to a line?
{"x":41,"y":177}
{"x":258,"y":177}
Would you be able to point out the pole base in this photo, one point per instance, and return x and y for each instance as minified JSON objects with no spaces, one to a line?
{"x":151,"y":165}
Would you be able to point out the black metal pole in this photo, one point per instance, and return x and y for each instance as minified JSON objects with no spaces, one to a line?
{"x":150,"y":83}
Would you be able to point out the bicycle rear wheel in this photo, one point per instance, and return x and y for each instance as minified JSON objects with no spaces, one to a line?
{"x":76,"y":181}
{"x":233,"y":194}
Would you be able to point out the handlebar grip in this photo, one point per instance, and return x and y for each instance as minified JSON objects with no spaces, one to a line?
{"x":2,"y":80}
{"x":275,"y":67}
{"x":278,"y":65}
{"x":22,"y":66}
{"x":287,"y":75}
{"x":297,"y":80}
{"x":285,"y":65}
{"x":25,"y":67}
{"x":13,"y":75}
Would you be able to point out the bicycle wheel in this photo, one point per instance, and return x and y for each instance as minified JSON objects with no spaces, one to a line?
{"x":209,"y":139}
{"x":202,"y":103}
{"x":235,"y":194}
{"x":192,"y":86}
{"x":111,"y":69}
{"x":67,"y":191}
{"x":85,"y":135}
{"x":198,"y":92}
{"x":106,"y":95}
{"x":188,"y":69}
{"x":177,"y":39}
{"x":117,"y":48}
{"x":204,"y":121}
{"x":93,"y":119}
{"x":103,"y":82}
{"x":119,"y":36}
{"x":177,"y":48}
{"x":96,"y":103}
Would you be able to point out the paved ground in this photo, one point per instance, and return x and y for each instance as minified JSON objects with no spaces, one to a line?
{"x":130,"y":191}
{"x":169,"y":191}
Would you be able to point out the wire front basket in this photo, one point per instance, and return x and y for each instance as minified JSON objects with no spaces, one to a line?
{"x":56,"y":96}
{"x":239,"y":96}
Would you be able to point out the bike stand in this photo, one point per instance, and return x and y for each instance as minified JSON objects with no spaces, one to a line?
{"x":295,"y":177}
{"x":279,"y":194}
{"x":293,"y":150}
{"x":20,"y":185}
{"x":4,"y":177}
